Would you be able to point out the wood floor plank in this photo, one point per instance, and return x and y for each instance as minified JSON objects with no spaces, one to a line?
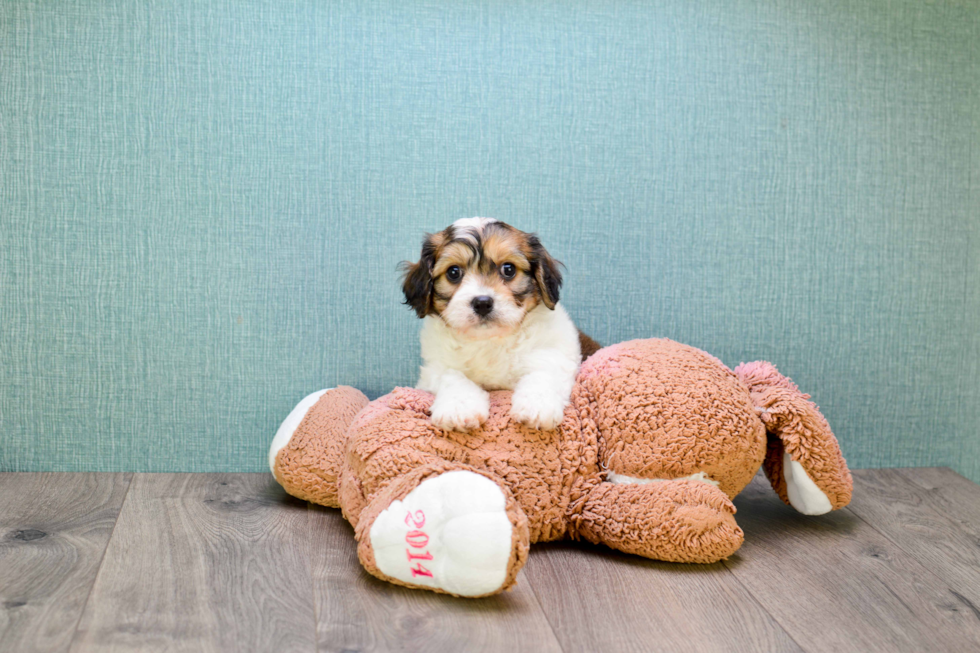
{"x":926,"y":525}
{"x":224,"y":562}
{"x":835,"y":583}
{"x":54,"y":528}
{"x":203,"y":562}
{"x":954,"y":495}
{"x":598,"y":599}
{"x":357,"y":612}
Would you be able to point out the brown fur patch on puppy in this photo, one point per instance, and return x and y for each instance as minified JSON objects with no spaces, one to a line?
{"x":417,"y":277}
{"x":510,"y":263}
{"x":587,"y":345}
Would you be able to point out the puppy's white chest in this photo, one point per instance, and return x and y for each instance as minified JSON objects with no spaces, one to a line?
{"x":491,"y":365}
{"x":546,"y":342}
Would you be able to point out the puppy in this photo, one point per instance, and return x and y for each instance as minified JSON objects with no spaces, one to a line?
{"x":488,"y":297}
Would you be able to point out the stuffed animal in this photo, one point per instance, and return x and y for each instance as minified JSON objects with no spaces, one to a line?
{"x":656,"y":441}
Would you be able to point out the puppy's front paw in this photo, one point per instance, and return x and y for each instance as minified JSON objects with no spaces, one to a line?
{"x":538,"y":408}
{"x":460,"y":412}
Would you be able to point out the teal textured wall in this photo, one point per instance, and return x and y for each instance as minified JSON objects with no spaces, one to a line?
{"x":203,"y":204}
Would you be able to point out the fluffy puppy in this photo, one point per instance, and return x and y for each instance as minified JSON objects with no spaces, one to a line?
{"x":488,"y":297}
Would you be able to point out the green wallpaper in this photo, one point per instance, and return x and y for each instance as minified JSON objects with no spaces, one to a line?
{"x":202,"y":205}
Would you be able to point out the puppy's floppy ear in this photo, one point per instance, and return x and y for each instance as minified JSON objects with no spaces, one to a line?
{"x":546,"y":272}
{"x":417,"y":281}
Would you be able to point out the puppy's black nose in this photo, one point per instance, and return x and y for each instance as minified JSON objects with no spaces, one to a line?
{"x":482,"y":305}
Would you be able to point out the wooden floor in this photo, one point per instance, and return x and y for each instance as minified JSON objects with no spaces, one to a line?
{"x":228,"y":562}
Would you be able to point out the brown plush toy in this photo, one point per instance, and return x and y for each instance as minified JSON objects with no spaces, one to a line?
{"x":657,"y":440}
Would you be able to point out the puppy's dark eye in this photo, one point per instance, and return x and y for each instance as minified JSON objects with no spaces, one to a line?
{"x":454,"y":273}
{"x":508,"y":270}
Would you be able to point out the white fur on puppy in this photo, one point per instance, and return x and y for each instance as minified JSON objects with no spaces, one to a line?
{"x":538,"y":362}
{"x":460,"y":404}
{"x":537,"y":403}
{"x":488,"y":294}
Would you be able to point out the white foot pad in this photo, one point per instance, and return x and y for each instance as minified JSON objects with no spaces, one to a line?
{"x":803,"y":493}
{"x":451,"y":533}
{"x":290,"y":424}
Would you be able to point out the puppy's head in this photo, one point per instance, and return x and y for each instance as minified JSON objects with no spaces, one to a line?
{"x":481,"y":277}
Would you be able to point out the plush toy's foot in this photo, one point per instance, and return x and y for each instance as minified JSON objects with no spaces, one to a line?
{"x":306,"y":452}
{"x":677,"y":520}
{"x":456,"y":532}
{"x":289,"y":425}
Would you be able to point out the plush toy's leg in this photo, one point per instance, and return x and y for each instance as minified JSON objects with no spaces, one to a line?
{"x":306,"y":452}
{"x":446,"y":528}
{"x":803,"y":461}
{"x":677,"y":520}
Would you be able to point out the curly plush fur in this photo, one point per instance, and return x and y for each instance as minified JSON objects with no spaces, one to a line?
{"x":657,"y":440}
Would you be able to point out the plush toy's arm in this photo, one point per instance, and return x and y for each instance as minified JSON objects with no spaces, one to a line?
{"x":680,"y":520}
{"x":803,"y":461}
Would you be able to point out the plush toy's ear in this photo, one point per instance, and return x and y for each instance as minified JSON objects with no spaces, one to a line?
{"x":417,"y":282}
{"x":546,"y":272}
{"x":803,"y":461}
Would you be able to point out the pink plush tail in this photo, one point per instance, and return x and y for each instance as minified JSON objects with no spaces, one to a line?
{"x":796,"y":427}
